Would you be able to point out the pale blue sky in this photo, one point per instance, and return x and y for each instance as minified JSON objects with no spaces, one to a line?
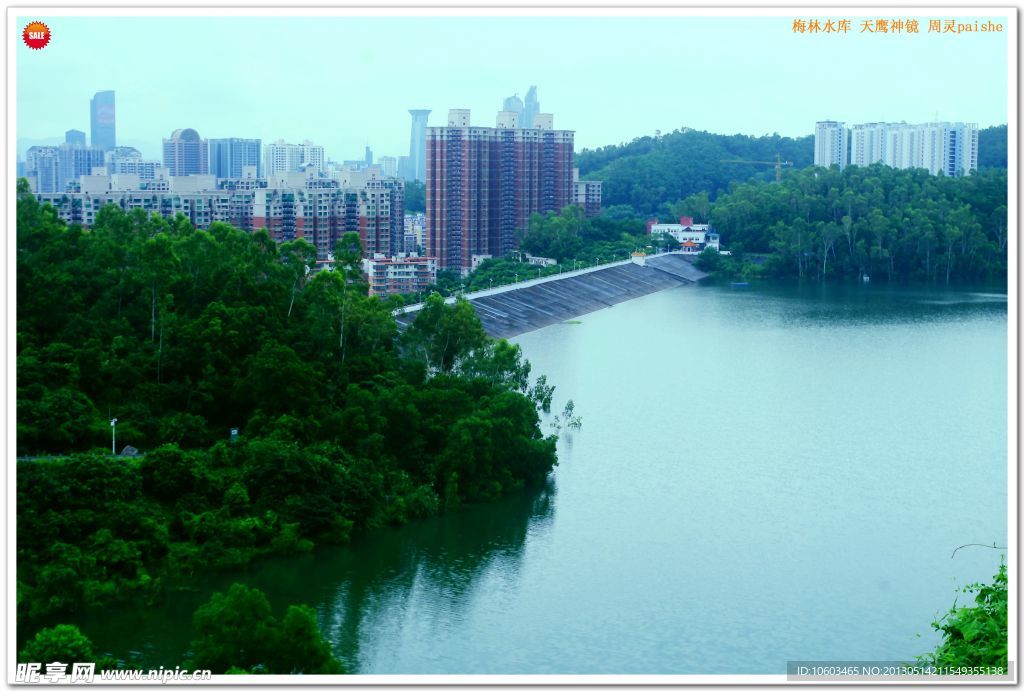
{"x":345,"y":82}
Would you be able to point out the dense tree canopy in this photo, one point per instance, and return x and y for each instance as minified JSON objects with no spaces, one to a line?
{"x":61,"y":643}
{"x":880,"y":221}
{"x":992,"y":147}
{"x":184,"y":334}
{"x":235,"y":631}
{"x":651,"y":171}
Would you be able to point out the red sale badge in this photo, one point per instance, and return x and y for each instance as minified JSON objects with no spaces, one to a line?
{"x":36,"y":35}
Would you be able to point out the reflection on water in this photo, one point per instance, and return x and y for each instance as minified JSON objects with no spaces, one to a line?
{"x":354,"y":589}
{"x":428,"y":571}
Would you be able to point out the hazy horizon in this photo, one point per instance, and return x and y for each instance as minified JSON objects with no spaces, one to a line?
{"x":347,"y":82}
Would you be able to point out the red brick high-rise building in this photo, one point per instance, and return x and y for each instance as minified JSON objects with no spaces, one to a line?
{"x":483,"y":183}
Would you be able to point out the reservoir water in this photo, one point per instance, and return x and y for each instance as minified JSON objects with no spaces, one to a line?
{"x":763,"y":474}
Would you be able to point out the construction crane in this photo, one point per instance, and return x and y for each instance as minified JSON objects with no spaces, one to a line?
{"x":778,"y":163}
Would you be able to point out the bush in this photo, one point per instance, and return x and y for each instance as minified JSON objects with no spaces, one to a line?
{"x":975,"y":636}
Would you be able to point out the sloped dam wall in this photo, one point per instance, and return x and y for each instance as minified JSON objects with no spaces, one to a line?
{"x":512,"y":310}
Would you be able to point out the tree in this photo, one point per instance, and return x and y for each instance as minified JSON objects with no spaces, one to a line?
{"x":61,"y":643}
{"x":444,"y":335}
{"x":237,"y":630}
{"x":348,"y":255}
{"x":234,"y":630}
{"x":299,"y":257}
{"x":302,"y":649}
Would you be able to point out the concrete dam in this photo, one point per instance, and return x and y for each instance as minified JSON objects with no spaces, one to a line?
{"x":511,"y":310}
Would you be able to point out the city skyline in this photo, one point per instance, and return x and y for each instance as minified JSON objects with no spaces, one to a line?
{"x":625,"y":92}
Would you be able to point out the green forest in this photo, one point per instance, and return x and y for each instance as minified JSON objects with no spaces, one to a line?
{"x":344,"y":422}
{"x":876,"y":221}
{"x":648,"y":173}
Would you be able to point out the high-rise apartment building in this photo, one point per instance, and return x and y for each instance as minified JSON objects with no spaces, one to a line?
{"x":127,"y":160}
{"x":867,"y":143}
{"x":899,"y":145}
{"x":281,"y":157}
{"x":514,"y":104}
{"x":51,"y":168}
{"x":102,"y":117}
{"x":417,"y":145}
{"x":483,"y":183}
{"x":530,"y":108}
{"x":830,"y":142}
{"x":959,"y":148}
{"x":305,"y":206}
{"x":76,"y":161}
{"x":228,"y":157}
{"x":42,"y":168}
{"x":951,"y":148}
{"x":186,"y":153}
{"x":323,"y":214}
{"x":396,"y":216}
{"x":389,"y":166}
{"x":74,"y":137}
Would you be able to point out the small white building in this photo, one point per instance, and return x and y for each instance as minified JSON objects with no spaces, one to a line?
{"x":693,"y":238}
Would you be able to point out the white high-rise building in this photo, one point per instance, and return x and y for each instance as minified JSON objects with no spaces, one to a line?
{"x":931,"y":147}
{"x":830,"y":142}
{"x":950,"y":147}
{"x":281,"y":157}
{"x":867,"y":143}
{"x":899,"y":145}
{"x":312,"y":155}
{"x":961,"y":148}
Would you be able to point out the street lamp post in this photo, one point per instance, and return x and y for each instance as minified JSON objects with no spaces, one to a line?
{"x":113,"y":436}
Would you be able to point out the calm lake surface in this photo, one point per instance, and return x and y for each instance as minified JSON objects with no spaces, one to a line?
{"x":764,"y":474}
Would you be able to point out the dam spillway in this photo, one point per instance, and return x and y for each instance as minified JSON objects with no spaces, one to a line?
{"x":512,"y":310}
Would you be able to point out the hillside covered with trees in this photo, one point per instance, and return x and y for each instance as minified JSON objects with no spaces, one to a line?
{"x":992,"y":147}
{"x":649,"y":172}
{"x":887,"y":223}
{"x":182,"y":334}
